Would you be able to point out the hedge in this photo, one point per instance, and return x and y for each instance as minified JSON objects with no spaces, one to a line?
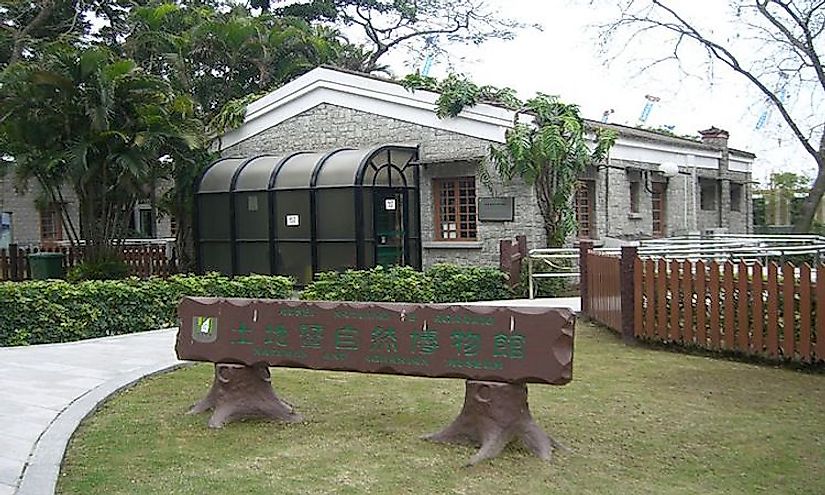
{"x":40,"y":312}
{"x":442,"y":283}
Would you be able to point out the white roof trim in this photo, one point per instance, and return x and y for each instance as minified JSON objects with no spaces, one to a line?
{"x":369,"y":95}
{"x":389,"y":99}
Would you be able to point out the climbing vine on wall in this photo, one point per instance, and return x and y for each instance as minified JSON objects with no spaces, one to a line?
{"x":548,"y":146}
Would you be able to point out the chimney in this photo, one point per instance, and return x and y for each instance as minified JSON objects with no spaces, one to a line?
{"x":715,"y":137}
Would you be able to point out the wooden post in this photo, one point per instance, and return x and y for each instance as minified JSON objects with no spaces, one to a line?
{"x":510,"y":258}
{"x":628,"y":278}
{"x":504,"y":255}
{"x":521,"y":240}
{"x":14,"y":259}
{"x":505,"y":259}
{"x":584,"y":291}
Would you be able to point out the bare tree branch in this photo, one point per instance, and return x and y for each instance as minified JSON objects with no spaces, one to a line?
{"x":787,"y":33}
{"x":46,"y":8}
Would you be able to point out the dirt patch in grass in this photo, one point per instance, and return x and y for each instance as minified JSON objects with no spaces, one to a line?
{"x":639,"y":421}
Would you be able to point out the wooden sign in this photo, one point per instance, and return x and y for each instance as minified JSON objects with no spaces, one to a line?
{"x":492,"y":343}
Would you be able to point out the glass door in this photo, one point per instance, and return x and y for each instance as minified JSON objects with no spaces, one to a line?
{"x":389,"y":226}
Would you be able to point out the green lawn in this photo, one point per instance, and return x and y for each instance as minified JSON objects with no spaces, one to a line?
{"x":639,"y":421}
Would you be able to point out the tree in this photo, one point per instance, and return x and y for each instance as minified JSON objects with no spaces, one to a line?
{"x":26,"y":25}
{"x":419,"y":25}
{"x":85,"y":118}
{"x":547,"y":146}
{"x":781,"y":195}
{"x":224,"y":59}
{"x":776,"y":45}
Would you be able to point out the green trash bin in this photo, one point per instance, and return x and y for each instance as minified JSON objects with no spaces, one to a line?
{"x":46,"y":265}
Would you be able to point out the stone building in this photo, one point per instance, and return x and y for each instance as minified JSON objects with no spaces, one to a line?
{"x":652,"y":186}
{"x":28,"y":218}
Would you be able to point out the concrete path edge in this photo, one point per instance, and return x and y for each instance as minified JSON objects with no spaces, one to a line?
{"x":43,"y":468}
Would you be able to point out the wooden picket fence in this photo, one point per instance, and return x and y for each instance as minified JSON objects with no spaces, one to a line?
{"x":774,"y":311}
{"x":604,"y":289}
{"x":142,"y":260}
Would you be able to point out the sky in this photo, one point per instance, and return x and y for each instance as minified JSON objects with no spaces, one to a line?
{"x":564,"y":59}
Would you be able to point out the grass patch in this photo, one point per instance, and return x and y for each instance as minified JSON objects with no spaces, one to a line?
{"x":639,"y":420}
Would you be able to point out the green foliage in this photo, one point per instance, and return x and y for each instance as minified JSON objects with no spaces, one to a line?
{"x":443,"y":283}
{"x":547,"y":146}
{"x":395,"y":284}
{"x":105,"y":269}
{"x":29,"y":25}
{"x":668,"y":131}
{"x":88,"y":119}
{"x":545,"y":287}
{"x":458,"y":92}
{"x":453,"y":283}
{"x":40,"y":312}
{"x":790,"y":181}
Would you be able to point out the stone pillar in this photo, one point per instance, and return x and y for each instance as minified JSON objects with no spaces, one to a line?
{"x":718,"y":138}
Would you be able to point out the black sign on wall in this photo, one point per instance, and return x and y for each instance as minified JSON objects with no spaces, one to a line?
{"x":499,"y":209}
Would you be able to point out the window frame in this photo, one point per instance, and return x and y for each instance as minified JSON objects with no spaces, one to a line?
{"x":585,"y":189}
{"x":469,"y":234}
{"x":737,"y":201}
{"x":635,"y":191}
{"x":707,"y":183}
{"x":53,"y":214}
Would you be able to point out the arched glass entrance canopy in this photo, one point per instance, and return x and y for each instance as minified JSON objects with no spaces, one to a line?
{"x":307,"y":212}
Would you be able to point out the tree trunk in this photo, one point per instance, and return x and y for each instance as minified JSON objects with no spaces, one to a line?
{"x":493,"y":415}
{"x":811,"y":203}
{"x":243,"y":392}
{"x":185,"y":245}
{"x":544,"y":194}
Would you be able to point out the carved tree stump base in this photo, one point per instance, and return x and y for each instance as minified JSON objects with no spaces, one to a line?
{"x":494,"y":414}
{"x":243,"y":392}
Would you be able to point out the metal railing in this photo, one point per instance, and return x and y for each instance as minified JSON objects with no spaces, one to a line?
{"x":552,"y":263}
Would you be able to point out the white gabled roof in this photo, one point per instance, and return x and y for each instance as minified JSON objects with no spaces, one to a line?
{"x":488,"y":122}
{"x":366,"y":94}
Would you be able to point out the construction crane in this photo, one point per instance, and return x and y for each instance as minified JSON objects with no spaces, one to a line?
{"x":781,"y":91}
{"x":429,"y":46}
{"x":651,"y":100}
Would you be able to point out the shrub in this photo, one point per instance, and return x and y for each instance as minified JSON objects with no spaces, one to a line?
{"x":442,"y":283}
{"x":395,"y":284}
{"x":113,"y":269}
{"x":39,"y":312}
{"x":452,"y":283}
{"x":546,"y":287}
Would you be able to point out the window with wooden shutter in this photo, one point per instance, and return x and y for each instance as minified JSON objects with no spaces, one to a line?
{"x":455,"y":209}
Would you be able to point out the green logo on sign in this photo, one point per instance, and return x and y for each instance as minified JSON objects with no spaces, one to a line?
{"x":205,"y":329}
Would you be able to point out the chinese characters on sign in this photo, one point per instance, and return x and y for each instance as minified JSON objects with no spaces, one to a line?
{"x":464,"y":345}
{"x":428,"y":340}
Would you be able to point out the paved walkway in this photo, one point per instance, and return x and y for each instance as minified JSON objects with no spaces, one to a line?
{"x":46,"y":390}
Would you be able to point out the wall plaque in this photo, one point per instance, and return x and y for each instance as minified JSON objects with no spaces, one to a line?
{"x":500,"y":209}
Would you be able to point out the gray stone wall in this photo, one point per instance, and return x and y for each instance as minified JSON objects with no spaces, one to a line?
{"x":485,"y":251}
{"x":447,"y":154}
{"x":25,"y":214}
{"x":614,"y":216}
{"x":329,"y":126}
{"x":682,"y":196}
